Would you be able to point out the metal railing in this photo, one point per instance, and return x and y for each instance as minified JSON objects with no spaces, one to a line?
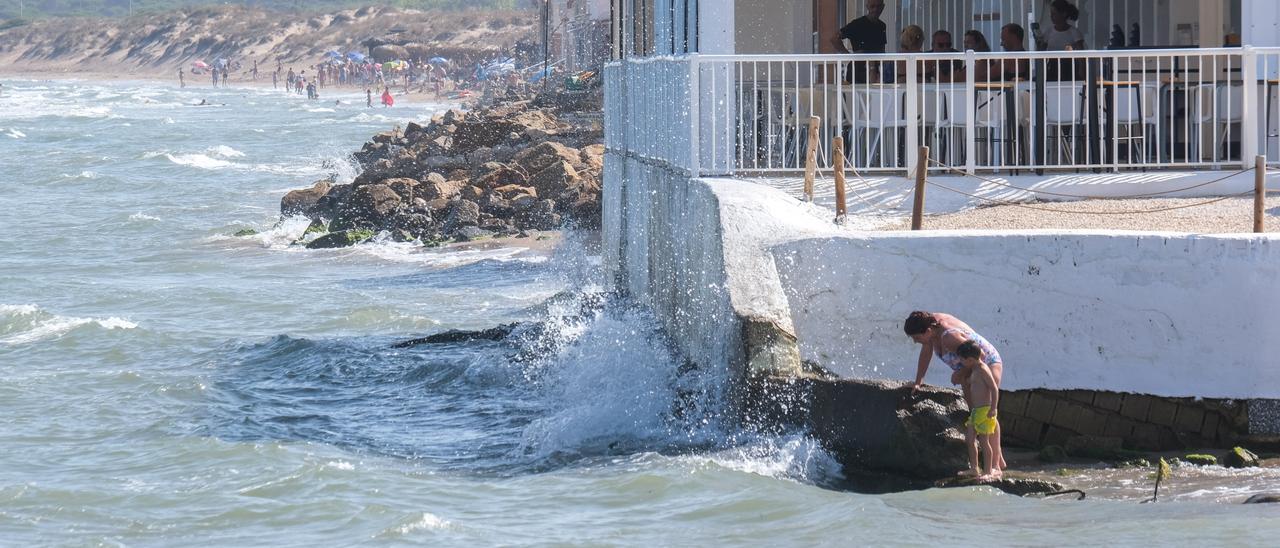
{"x":992,"y":112}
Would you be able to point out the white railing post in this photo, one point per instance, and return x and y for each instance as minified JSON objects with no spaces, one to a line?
{"x":913,"y":116}
{"x":970,"y":108}
{"x":695,"y":116}
{"x":1249,"y":118}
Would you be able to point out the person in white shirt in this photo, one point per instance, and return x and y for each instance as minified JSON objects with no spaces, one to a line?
{"x":1063,"y":36}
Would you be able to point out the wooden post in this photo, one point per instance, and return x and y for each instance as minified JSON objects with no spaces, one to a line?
{"x":811,"y":158}
{"x":838,"y":159}
{"x":917,"y":209}
{"x":1259,"y":193}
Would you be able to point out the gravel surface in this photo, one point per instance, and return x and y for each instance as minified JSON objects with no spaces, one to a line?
{"x":1232,"y":215}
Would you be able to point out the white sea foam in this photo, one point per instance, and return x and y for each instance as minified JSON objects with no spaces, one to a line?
{"x":168,"y":120}
{"x":140,"y":216}
{"x":322,"y":109}
{"x":223,"y":151}
{"x":13,"y":132}
{"x":86,"y":174}
{"x":198,"y":160}
{"x":428,"y":522}
{"x":23,"y":324}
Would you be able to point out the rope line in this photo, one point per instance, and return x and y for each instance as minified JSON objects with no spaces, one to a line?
{"x":1084,"y":197}
{"x":1071,"y":212}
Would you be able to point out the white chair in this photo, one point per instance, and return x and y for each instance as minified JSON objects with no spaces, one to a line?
{"x":990,"y":116}
{"x":1063,"y":109}
{"x":879,"y":110}
{"x":1229,"y":110}
{"x":1129,"y":103}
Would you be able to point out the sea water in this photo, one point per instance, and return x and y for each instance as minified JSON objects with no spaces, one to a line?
{"x":168,"y":383}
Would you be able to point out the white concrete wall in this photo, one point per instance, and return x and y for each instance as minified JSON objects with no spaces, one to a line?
{"x":1162,"y":314}
{"x":694,"y":253}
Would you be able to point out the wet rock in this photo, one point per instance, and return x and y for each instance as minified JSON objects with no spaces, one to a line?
{"x":522,"y":202}
{"x":508,"y":192}
{"x":1263,"y":498}
{"x":434,"y":190}
{"x":555,"y":179}
{"x":299,"y":201}
{"x":412,"y":128}
{"x":472,"y":192}
{"x":374,"y":202}
{"x":1201,"y":460}
{"x":1011,"y":484}
{"x":471,"y":233}
{"x":461,"y":213}
{"x":245,"y":232}
{"x":435,"y":179}
{"x":880,"y":426}
{"x":1093,"y":446}
{"x":1240,"y":457}
{"x":415,"y":224}
{"x":593,"y":157}
{"x":499,"y":177}
{"x":404,"y":187}
{"x":343,"y":238}
{"x":542,"y":156}
{"x":458,"y":336}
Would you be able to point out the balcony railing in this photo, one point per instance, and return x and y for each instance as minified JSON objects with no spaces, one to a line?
{"x":980,"y":112}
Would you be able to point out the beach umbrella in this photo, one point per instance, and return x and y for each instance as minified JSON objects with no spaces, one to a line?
{"x":438,"y":61}
{"x":355,"y":56}
{"x":333,"y":54}
{"x":200,"y":65}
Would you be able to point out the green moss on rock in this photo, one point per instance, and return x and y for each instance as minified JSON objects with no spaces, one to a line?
{"x":1200,"y":459}
{"x":245,"y":232}
{"x":1240,"y":457}
{"x":344,"y":238}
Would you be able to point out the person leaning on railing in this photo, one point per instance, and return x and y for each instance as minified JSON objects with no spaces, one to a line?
{"x":866,"y":34}
{"x":974,"y":40}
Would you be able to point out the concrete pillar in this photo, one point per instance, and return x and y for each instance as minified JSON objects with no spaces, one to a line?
{"x":716,"y":19}
{"x":1260,"y":25}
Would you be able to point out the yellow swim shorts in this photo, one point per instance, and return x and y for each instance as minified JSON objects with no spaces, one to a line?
{"x":980,"y":422}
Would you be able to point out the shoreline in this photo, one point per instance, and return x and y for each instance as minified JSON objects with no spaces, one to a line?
{"x":96,"y":76}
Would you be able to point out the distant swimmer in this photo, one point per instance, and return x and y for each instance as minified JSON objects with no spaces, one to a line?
{"x":182,"y":79}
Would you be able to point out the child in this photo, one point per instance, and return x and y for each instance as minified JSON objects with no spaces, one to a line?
{"x":984,"y":398}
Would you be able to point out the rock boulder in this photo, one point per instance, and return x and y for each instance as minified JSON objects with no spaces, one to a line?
{"x":299,"y":201}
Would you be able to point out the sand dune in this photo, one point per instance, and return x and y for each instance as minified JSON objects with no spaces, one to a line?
{"x":157,"y":45}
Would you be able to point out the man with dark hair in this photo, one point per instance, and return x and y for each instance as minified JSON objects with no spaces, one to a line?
{"x":866,"y":34}
{"x":946,"y":70}
{"x":1013,"y":39}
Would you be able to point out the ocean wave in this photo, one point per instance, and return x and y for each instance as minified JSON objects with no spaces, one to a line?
{"x":198,"y":160}
{"x":13,"y":132}
{"x":140,"y":216}
{"x":224,"y":151}
{"x":86,"y":174}
{"x":23,"y":324}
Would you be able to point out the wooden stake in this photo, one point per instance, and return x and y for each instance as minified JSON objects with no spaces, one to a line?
{"x":838,"y":159}
{"x":917,"y":209}
{"x":1259,"y":193}
{"x":811,"y":158}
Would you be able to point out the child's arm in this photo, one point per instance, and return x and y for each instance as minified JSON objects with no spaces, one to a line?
{"x":990,"y":381}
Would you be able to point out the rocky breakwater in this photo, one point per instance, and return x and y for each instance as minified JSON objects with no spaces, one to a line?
{"x":500,"y":171}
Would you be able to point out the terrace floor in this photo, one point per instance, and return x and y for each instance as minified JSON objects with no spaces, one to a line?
{"x":1153,"y":201}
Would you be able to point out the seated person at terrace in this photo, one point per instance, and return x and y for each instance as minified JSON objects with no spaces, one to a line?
{"x":1013,"y":40}
{"x":943,"y":70}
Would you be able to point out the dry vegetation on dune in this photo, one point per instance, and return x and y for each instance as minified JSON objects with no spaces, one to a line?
{"x":160,"y":43}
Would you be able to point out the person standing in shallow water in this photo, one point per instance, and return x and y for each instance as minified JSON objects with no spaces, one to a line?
{"x":368,"y":97}
{"x":182,"y":80}
{"x":941,"y":334}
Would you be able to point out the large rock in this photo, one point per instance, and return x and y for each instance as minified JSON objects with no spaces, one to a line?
{"x":1264,"y":498}
{"x":1240,"y":457}
{"x":461,"y":213}
{"x":368,"y":207}
{"x":555,"y":179}
{"x":880,"y":426}
{"x":404,"y":187}
{"x":342,"y":238}
{"x":299,"y":201}
{"x":542,"y":156}
{"x":436,"y":189}
{"x":499,"y":177}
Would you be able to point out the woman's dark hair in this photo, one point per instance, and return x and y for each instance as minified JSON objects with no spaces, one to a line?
{"x":1066,"y":8}
{"x":919,"y":322}
{"x":979,"y":39}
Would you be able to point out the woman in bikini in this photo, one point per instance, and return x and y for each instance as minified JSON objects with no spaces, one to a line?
{"x":940,"y":334}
